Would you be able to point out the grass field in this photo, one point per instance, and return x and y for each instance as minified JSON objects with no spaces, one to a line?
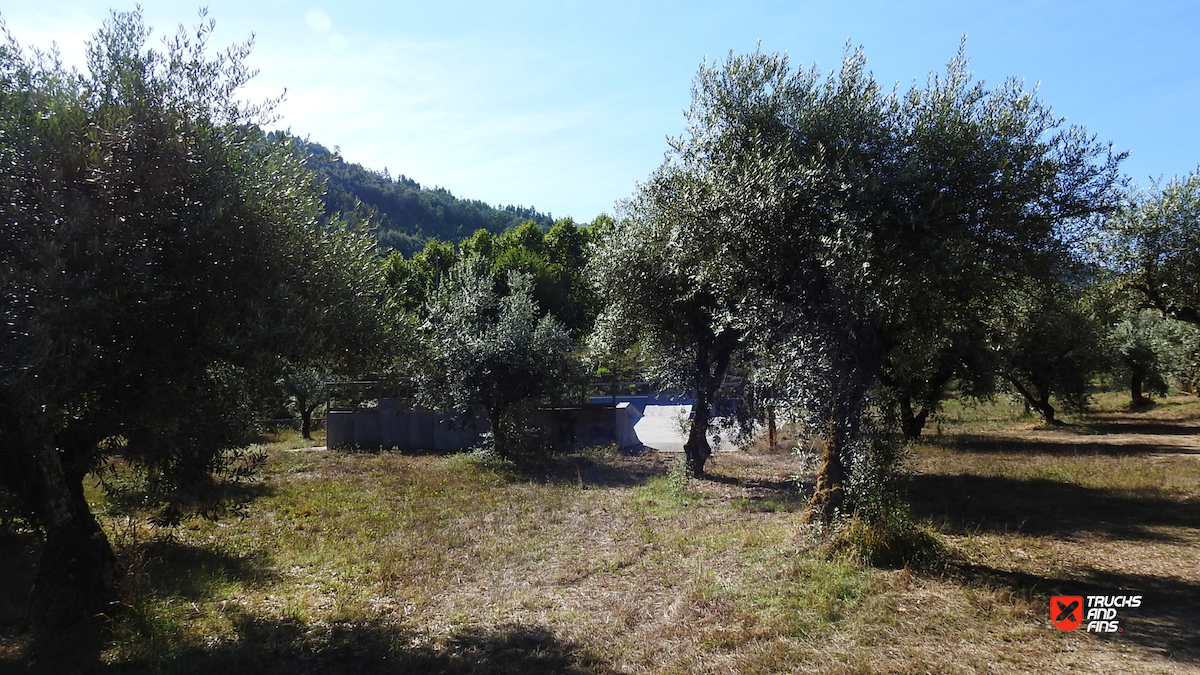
{"x":601,"y":563}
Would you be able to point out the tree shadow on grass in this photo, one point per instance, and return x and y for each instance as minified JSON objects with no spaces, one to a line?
{"x":765,"y":494}
{"x":272,"y":646}
{"x":596,"y":469}
{"x":160,"y":568}
{"x":1135,"y":425}
{"x":1167,"y":623}
{"x":1065,"y":446}
{"x":969,"y":503}
{"x":1108,"y":435}
{"x":167,"y":568}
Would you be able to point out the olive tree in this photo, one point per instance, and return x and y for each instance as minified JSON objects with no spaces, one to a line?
{"x":304,"y":387}
{"x":826,"y":223}
{"x":1150,"y":350}
{"x":498,"y":352}
{"x":1049,"y":347}
{"x":646,"y":278}
{"x":1153,"y":243}
{"x":159,"y":253}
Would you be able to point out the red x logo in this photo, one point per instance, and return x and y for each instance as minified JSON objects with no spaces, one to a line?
{"x":1066,"y":611}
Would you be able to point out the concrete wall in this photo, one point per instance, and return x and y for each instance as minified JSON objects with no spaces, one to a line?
{"x":393,"y":425}
{"x":590,"y":425}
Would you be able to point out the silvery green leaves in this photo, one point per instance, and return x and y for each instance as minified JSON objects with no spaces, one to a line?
{"x":497,"y":352}
{"x":848,"y":234}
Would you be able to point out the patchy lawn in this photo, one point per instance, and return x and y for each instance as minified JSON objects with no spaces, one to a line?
{"x":600,"y":563}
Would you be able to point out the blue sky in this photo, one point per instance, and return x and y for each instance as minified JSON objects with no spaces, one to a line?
{"x":565,"y":105}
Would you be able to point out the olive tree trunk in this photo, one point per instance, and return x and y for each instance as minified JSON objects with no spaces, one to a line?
{"x":1039,"y":401}
{"x":76,"y":576}
{"x":1136,"y":379}
{"x":712,"y":362}
{"x":855,"y":374}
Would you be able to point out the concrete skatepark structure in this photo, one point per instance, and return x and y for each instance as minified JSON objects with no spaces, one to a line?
{"x":390,"y":423}
{"x":632,"y":423}
{"x":660,"y":419}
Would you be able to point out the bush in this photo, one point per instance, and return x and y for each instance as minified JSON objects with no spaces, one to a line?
{"x":889,"y":543}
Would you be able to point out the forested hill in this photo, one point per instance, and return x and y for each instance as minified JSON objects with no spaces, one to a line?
{"x":404,"y":214}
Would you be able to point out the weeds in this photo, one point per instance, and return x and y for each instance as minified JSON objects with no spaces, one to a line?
{"x":483,"y":457}
{"x":597,"y":562}
{"x":889,"y":541}
{"x":678,"y":476}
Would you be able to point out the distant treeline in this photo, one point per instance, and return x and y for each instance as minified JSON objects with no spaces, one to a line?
{"x":404,"y":214}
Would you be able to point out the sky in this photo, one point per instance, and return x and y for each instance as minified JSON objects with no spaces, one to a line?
{"x":565,"y":106}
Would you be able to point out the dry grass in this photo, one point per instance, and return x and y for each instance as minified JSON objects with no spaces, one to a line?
{"x":1107,"y":504}
{"x":600,"y":563}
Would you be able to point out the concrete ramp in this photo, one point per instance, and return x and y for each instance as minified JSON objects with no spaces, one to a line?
{"x":660,"y":427}
{"x":632,"y":409}
{"x":674,"y":411}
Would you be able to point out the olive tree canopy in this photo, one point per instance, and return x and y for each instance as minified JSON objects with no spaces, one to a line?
{"x":159,"y":251}
{"x":1153,"y":243}
{"x":832,"y":226}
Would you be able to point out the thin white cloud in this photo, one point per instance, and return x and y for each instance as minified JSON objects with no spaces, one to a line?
{"x":318,"y":20}
{"x":446,"y":113}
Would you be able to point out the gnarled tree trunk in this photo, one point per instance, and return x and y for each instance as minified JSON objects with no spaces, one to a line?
{"x":1136,"y":397}
{"x":856,"y":372}
{"x":830,"y":492}
{"x":712,"y":362}
{"x":845,"y":429}
{"x":76,"y":576}
{"x":696,"y":449}
{"x":306,"y":409}
{"x":912,"y":422}
{"x":1039,"y":402}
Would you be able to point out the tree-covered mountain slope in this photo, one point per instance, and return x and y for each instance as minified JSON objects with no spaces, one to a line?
{"x":403,"y":213}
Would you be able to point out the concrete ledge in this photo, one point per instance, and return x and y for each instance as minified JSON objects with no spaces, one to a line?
{"x":590,"y":425}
